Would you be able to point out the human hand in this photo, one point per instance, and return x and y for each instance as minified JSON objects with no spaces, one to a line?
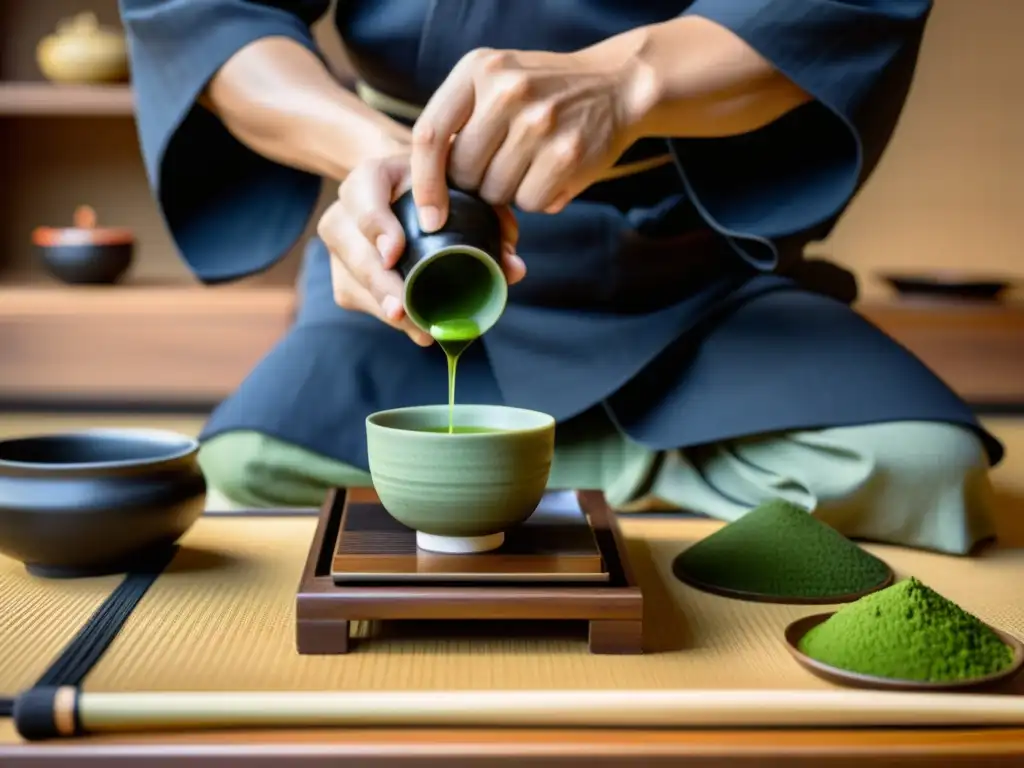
{"x":366,"y":240}
{"x":526,"y":127}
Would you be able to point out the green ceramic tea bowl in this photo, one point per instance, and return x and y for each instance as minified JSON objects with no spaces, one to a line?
{"x":460,"y":492}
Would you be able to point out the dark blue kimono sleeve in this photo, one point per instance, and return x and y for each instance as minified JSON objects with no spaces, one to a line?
{"x":790,"y":180}
{"x":230,"y":211}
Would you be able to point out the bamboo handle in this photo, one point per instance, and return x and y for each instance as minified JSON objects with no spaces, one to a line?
{"x":48,"y":713}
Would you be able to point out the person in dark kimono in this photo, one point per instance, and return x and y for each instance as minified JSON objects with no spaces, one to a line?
{"x":659,"y":167}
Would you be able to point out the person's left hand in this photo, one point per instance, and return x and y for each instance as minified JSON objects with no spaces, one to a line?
{"x":529,"y":128}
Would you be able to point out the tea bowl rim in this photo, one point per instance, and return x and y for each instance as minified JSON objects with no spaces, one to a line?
{"x":186,"y":446}
{"x":548,"y":422}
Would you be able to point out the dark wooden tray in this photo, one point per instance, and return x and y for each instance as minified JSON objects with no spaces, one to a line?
{"x":556,"y":544}
{"x":613,"y":609}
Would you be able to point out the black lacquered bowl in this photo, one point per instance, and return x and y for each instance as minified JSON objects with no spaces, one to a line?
{"x":85,"y":254}
{"x":98,"y":501}
{"x":88,"y":264}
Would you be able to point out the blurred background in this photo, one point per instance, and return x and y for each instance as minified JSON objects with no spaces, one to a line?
{"x":945,"y":205}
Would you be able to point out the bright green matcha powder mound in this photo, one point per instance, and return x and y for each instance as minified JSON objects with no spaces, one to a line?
{"x":779,"y":550}
{"x":908,"y":632}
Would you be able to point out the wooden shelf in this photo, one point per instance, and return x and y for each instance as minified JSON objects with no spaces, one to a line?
{"x":125,"y":345}
{"x":977,"y":348}
{"x":190,"y":344}
{"x":48,"y":99}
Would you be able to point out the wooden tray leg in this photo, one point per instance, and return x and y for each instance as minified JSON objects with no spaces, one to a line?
{"x":617,"y":637}
{"x":321,"y":637}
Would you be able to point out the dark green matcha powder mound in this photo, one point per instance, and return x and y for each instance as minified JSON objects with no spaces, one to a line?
{"x":908,"y":632}
{"x":779,"y":550}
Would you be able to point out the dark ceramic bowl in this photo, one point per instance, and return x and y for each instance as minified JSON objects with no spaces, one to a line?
{"x":85,"y":254}
{"x":454,"y":273}
{"x":98,"y":501}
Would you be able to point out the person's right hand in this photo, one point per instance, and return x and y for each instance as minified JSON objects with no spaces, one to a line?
{"x":366,"y":240}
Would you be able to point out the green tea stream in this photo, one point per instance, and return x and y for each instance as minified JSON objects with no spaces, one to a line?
{"x":453,"y":336}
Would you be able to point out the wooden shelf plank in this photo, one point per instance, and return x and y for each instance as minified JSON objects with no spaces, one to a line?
{"x":191,"y":344}
{"x":135,"y":345}
{"x":142,"y":301}
{"x":50,"y":99}
{"x":978,"y":349}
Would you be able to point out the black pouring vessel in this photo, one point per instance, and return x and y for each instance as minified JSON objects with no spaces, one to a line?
{"x":456,"y":271}
{"x":98,"y":501}
{"x":85,"y":254}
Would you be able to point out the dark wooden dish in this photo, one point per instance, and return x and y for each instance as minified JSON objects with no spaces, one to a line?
{"x":553,"y":545}
{"x":796,"y":631}
{"x":948,"y":286}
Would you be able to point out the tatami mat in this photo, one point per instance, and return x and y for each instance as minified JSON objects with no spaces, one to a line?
{"x":223,"y":619}
{"x":38,"y":617}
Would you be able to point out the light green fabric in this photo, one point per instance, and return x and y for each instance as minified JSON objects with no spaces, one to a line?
{"x":917,"y":484}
